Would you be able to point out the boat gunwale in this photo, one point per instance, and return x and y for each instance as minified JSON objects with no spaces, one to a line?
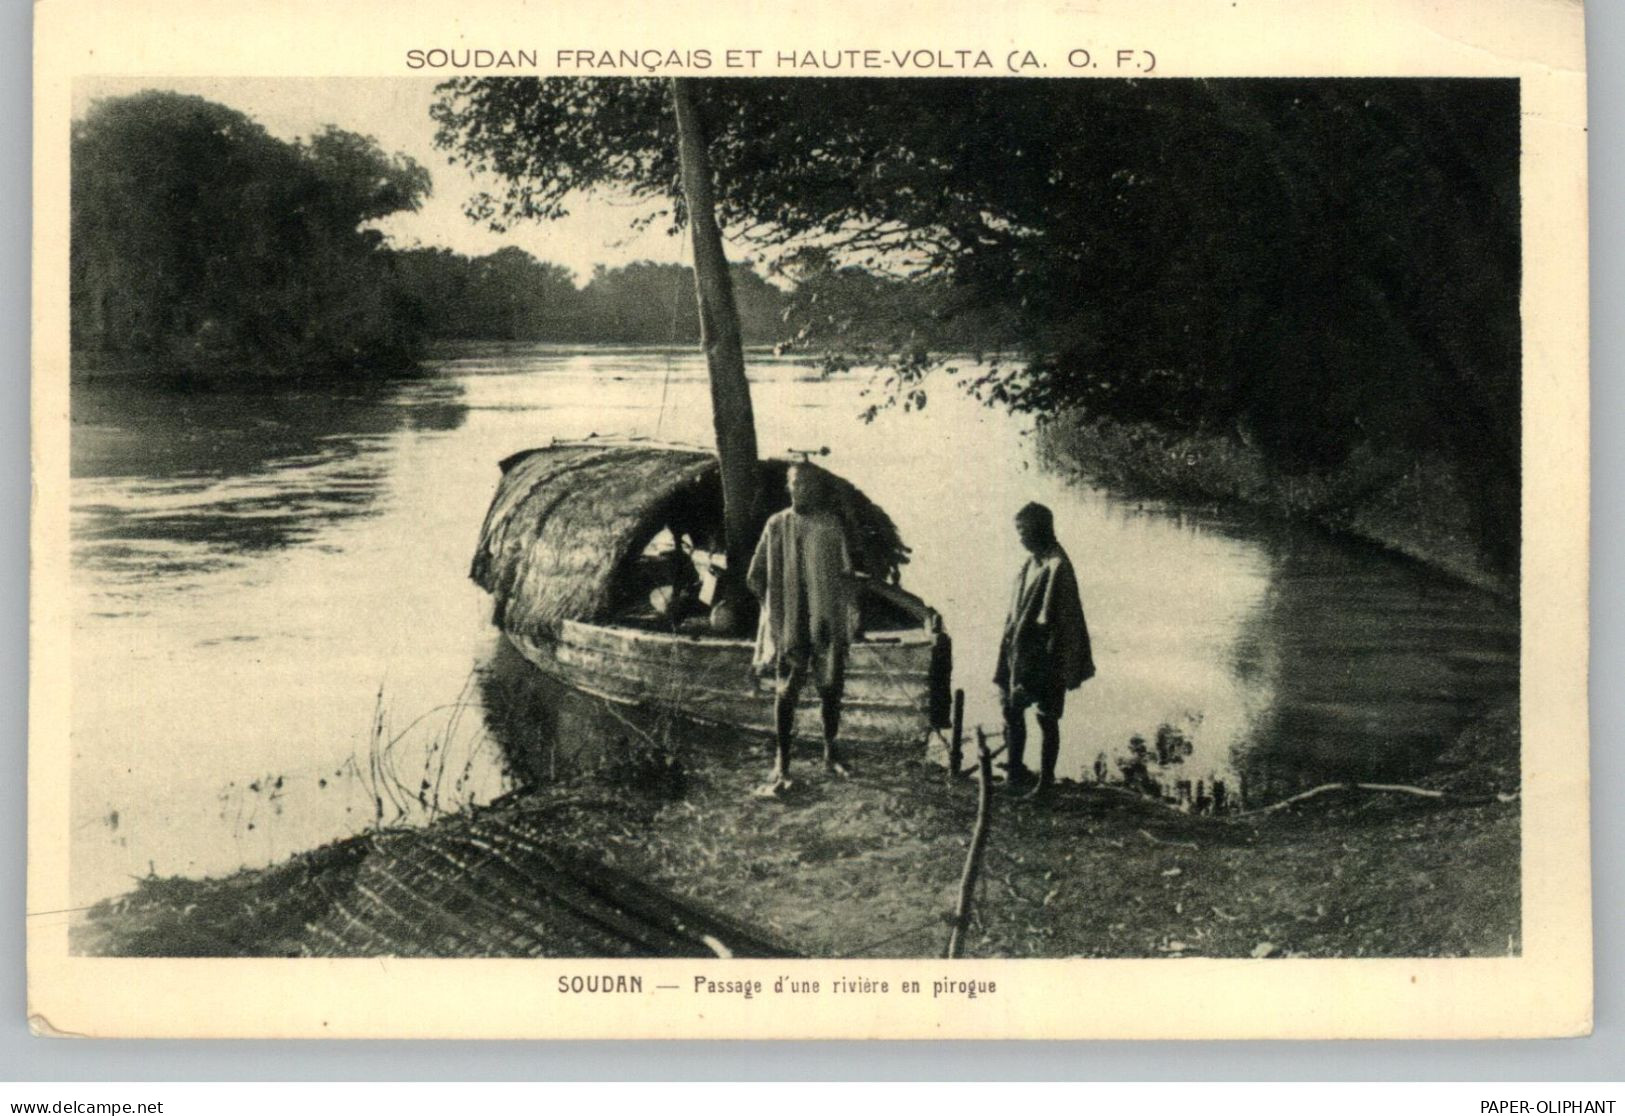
{"x":920,"y":636}
{"x":855,"y":672}
{"x":561,"y":672}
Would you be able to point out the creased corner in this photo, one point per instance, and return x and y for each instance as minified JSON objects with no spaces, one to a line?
{"x":42,"y":1027}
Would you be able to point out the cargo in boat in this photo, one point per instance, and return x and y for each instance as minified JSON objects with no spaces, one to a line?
{"x":601,"y":556}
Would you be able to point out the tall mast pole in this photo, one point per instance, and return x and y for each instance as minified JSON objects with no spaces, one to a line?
{"x":731,"y":412}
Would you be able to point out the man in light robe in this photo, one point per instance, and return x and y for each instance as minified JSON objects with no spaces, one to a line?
{"x":802,"y":574}
{"x":1045,"y":650}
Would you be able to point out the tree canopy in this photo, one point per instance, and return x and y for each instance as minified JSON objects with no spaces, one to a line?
{"x":1315,"y":265}
{"x":204,"y":246}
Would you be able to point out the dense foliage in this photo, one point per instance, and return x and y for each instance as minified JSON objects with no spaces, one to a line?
{"x":203,"y":246}
{"x":1315,"y":266}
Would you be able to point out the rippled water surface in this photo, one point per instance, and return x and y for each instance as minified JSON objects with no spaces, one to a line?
{"x":276,"y":643}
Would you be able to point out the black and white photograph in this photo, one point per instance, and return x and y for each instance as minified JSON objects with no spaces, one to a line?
{"x":844,"y":505}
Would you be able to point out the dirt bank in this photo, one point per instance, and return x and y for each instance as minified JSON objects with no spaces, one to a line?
{"x":606,"y":866}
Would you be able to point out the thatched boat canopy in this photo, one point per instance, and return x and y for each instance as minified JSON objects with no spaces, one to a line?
{"x":567,"y":517}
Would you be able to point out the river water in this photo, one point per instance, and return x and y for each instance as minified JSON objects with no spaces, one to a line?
{"x":276,"y":643}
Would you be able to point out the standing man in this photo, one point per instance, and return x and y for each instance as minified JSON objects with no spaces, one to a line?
{"x":1045,"y":651}
{"x":802,"y":574}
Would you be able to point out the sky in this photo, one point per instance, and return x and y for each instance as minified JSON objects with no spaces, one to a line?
{"x":395,"y":111}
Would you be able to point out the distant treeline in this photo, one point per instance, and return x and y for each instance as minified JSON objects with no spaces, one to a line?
{"x":202,"y":247}
{"x":838,"y":314}
{"x":510,"y":295}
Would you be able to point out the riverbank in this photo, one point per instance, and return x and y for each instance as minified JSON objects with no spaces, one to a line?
{"x":1418,"y":511}
{"x":597,"y":866}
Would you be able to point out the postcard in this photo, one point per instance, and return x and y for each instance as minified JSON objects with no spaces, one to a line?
{"x":603,"y":521}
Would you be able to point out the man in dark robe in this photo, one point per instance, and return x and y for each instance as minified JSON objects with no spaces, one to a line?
{"x":802,"y":574}
{"x":1045,"y":650}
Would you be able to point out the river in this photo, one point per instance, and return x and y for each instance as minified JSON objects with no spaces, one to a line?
{"x":276,"y":643}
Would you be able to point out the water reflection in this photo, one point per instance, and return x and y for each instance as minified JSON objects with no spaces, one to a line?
{"x":173,"y":482}
{"x":546,"y":731}
{"x":1285,"y":657}
{"x":543,"y":730}
{"x":1373,"y":664}
{"x":244,"y":567}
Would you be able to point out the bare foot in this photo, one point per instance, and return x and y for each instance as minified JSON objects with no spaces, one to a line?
{"x":1040,"y":793}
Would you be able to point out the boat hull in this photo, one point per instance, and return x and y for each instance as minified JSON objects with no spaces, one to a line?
{"x":895,"y":685}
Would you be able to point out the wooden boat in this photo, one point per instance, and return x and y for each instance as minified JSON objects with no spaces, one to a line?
{"x":574,"y":528}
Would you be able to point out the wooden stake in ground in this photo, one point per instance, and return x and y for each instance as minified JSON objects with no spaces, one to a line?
{"x":956,"y":742}
{"x":978,"y":842}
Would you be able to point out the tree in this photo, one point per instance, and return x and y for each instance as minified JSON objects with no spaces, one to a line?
{"x":853,"y":317}
{"x":732,"y":419}
{"x":1316,"y":266}
{"x":203,"y":246}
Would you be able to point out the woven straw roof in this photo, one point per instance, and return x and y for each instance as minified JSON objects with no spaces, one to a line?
{"x":567,"y":516}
